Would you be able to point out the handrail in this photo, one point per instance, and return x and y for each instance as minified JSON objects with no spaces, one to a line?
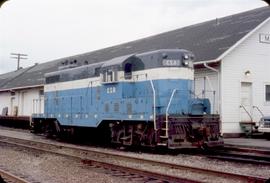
{"x":167,"y":111}
{"x":154,"y":103}
{"x":258,"y":110}
{"x":37,"y":105}
{"x":241,"y":106}
{"x":134,"y":77}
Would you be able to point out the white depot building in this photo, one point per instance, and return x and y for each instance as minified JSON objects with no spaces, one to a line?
{"x":232,"y":68}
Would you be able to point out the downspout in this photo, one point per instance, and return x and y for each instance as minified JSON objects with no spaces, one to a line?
{"x":218,"y":78}
{"x":218,"y":75}
{"x":154,"y":103}
{"x":209,"y":67}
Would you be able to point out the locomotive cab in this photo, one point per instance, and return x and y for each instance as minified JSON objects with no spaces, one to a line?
{"x":120,"y":69}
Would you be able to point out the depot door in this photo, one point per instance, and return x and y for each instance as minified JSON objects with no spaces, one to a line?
{"x":246,"y":102}
{"x":12,"y":104}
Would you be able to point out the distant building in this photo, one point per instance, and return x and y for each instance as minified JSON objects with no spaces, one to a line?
{"x":233,"y":61}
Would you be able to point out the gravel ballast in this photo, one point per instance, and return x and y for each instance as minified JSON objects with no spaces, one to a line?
{"x":46,"y":168}
{"x":59,"y":168}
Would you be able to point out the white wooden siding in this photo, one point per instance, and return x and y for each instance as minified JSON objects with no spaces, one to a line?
{"x":4,"y":101}
{"x":254,"y":56}
{"x":206,"y":79}
{"x":23,"y":99}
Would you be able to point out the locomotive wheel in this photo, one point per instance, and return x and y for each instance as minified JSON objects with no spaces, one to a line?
{"x":49,"y":131}
{"x":149,"y":137}
{"x":120,"y":136}
{"x":52,"y":129}
{"x":117,"y":133}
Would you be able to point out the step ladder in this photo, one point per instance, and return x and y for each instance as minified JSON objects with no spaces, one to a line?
{"x":164,"y":135}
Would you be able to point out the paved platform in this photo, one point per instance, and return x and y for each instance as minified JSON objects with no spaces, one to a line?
{"x":26,"y":135}
{"x":248,"y":142}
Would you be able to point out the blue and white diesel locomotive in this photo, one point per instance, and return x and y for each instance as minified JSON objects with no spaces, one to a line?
{"x":141,"y":99}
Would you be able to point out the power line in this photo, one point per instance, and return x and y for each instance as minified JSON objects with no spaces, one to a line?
{"x":18,"y":57}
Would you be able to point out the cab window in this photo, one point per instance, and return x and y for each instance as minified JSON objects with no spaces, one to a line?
{"x":128,"y":71}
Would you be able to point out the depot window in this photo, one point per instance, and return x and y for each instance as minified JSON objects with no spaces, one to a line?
{"x":267,"y":93}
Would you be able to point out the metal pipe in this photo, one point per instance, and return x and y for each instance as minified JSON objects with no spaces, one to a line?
{"x":218,"y":78}
{"x":241,"y":106}
{"x":256,"y":107}
{"x":167,"y":111}
{"x":154,"y":103}
{"x":211,"y":68}
{"x":204,"y":87}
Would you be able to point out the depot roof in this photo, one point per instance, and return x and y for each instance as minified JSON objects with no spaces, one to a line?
{"x":207,"y":40}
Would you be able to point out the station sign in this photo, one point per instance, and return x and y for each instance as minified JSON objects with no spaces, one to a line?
{"x":264,"y":38}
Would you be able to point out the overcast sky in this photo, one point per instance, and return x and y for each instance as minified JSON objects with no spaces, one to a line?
{"x":51,"y":29}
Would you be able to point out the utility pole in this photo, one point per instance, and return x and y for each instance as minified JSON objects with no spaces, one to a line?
{"x":2,"y":2}
{"x":267,"y":1}
{"x":18,"y":57}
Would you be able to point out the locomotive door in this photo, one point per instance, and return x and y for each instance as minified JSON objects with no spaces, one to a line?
{"x":246,"y":102}
{"x":26,"y":104}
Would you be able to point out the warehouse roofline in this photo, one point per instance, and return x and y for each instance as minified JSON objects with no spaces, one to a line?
{"x":21,"y":88}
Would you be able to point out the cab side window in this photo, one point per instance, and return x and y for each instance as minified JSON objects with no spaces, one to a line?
{"x":128,"y":71}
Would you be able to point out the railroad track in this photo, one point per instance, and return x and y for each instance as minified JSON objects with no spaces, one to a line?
{"x":243,"y":155}
{"x":247,"y":150}
{"x":7,"y":177}
{"x":167,"y":172}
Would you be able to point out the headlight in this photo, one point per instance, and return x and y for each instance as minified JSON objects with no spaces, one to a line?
{"x":185,"y":62}
{"x":186,"y":57}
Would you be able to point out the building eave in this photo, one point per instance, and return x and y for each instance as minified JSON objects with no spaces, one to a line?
{"x":206,"y":61}
{"x":201,"y":64}
{"x":21,"y":88}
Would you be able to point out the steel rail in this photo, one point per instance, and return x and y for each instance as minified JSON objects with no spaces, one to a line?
{"x":259,"y":151}
{"x":151,"y":174}
{"x":8,"y":177}
{"x":202,"y":171}
{"x":95,"y":162}
{"x":243,"y":155}
{"x":238,"y":159}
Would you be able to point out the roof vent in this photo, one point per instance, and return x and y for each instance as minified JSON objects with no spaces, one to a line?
{"x":68,"y":64}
